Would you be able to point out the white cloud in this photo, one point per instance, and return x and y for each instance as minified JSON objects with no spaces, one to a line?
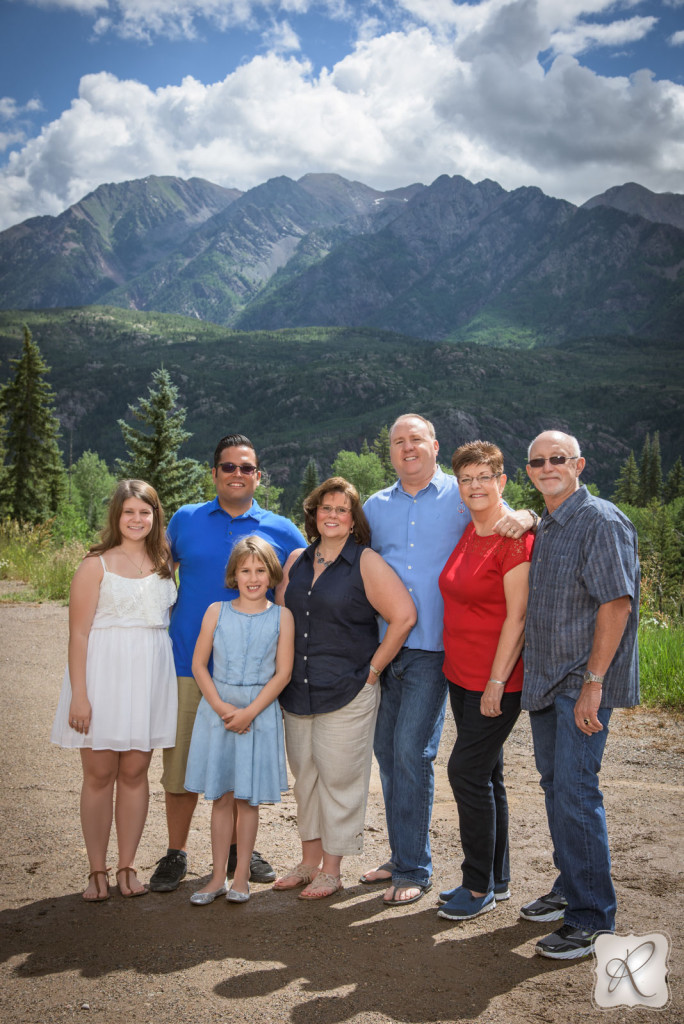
{"x":177,"y":19}
{"x":404,"y":105}
{"x":280,"y":37}
{"x":585,"y":35}
{"x":677,"y":39}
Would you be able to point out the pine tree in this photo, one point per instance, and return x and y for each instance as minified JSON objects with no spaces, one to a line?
{"x":310,"y":481}
{"x":674,"y":485}
{"x":154,"y":456}
{"x":655,"y":469}
{"x":627,"y":484}
{"x":33,"y":478}
{"x":645,"y":471}
{"x":382,"y":448}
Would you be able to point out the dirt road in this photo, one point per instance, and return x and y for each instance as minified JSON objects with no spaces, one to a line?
{"x":158,"y":959}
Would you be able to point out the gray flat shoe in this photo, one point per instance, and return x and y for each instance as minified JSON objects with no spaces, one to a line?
{"x":233,"y":896}
{"x":201,"y":899}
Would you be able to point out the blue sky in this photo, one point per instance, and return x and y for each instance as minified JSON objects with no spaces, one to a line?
{"x":573,"y":96}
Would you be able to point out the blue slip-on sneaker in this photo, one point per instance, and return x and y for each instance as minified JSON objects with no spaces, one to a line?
{"x":566,"y":943}
{"x":463,"y":905}
{"x":501,"y":892}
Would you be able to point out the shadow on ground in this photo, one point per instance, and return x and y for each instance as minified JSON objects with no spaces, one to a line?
{"x":344,"y":956}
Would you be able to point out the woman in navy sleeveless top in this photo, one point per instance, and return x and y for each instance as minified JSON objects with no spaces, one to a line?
{"x":335,"y":588}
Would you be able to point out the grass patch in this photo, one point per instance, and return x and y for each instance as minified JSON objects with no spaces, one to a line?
{"x":28,"y":553}
{"x":661,"y":664}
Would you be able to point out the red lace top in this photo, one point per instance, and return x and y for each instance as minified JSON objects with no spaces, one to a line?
{"x":471,"y":584}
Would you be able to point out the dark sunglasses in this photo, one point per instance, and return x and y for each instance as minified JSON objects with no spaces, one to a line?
{"x":554,"y":460}
{"x":244,"y":467}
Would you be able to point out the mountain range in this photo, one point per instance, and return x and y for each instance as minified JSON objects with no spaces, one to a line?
{"x":451,"y":261}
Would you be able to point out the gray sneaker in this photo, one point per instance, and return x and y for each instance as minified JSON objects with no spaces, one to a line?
{"x":547,"y":908}
{"x":566,"y":943}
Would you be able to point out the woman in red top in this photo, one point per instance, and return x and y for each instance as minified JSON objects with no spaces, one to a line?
{"x":484,"y":587}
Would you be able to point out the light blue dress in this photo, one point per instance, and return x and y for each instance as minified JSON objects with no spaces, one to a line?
{"x":251,"y":765}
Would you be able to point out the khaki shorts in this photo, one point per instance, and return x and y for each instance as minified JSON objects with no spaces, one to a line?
{"x":175,"y":759}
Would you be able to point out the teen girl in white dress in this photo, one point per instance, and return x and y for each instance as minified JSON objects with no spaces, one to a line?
{"x":119,"y":697}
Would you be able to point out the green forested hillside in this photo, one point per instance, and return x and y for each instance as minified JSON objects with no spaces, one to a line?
{"x":305,"y":393}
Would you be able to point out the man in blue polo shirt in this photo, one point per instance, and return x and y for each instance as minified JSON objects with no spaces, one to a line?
{"x":415,"y":525}
{"x":202,"y":538}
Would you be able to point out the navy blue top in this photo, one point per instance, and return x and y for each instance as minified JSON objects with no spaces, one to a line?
{"x":336,"y":633}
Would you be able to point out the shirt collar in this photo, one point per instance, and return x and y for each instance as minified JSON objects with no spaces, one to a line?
{"x":569,"y":507}
{"x":253,"y":512}
{"x":437,"y":481}
{"x":346,"y":552}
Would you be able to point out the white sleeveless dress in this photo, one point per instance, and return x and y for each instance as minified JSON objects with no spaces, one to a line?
{"x":130,"y":674}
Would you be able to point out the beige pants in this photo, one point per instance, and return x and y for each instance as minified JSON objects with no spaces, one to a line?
{"x":175,"y":759}
{"x":330,"y":758}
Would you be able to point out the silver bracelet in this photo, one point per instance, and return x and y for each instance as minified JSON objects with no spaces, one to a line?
{"x":498,"y":682}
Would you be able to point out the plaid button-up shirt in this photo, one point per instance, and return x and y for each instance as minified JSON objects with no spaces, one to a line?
{"x":585,"y":555}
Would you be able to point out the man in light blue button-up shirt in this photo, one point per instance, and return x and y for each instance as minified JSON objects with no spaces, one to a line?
{"x":415,"y":525}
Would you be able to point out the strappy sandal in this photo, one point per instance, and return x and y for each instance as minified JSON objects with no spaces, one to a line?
{"x":99,"y":898}
{"x":302,"y":875}
{"x":323,"y":885}
{"x":131,"y":891}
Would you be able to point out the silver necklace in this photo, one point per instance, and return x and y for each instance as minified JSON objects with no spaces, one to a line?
{"x":138,"y":567}
{"x":320,"y":560}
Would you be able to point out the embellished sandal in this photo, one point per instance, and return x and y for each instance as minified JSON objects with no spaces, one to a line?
{"x":131,"y":891}
{"x":99,"y":898}
{"x":302,"y":874}
{"x":323,"y":885}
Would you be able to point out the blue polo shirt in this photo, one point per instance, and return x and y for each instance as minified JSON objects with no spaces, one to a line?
{"x":202,"y":538}
{"x":415,"y":534}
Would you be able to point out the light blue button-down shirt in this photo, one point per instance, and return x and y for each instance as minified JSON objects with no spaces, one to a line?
{"x":415,"y":534}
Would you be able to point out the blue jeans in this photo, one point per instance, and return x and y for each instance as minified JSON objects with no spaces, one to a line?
{"x":476,"y":775}
{"x":569,"y":762}
{"x":407,"y":734}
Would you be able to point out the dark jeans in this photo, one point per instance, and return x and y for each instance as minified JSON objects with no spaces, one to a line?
{"x":477,"y":780}
{"x":569,"y":763}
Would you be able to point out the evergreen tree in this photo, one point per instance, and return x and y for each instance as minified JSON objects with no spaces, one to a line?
{"x":655,"y":470}
{"x":674,"y":485}
{"x":33,"y":478}
{"x":310,"y":480}
{"x":154,"y":456}
{"x":382,"y":448}
{"x":645,"y":471}
{"x":627,"y":484}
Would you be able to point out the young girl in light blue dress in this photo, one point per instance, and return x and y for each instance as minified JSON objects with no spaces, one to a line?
{"x":237,"y":750}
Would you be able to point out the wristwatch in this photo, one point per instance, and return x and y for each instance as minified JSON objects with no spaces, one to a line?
{"x":591,"y":677}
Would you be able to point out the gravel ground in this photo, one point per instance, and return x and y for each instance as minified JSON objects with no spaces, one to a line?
{"x":158,"y":959}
